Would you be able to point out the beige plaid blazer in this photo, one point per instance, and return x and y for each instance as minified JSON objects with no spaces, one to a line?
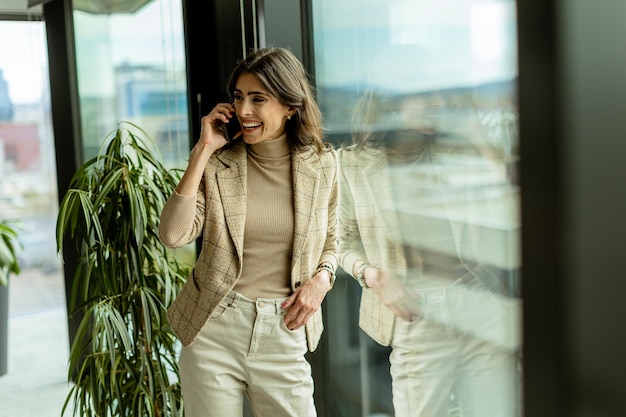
{"x":365,"y":233}
{"x":218,"y":214}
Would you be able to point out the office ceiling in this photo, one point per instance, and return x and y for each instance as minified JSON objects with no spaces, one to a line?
{"x":19,"y":9}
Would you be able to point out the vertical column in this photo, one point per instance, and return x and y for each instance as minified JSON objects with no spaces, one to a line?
{"x":65,"y":119}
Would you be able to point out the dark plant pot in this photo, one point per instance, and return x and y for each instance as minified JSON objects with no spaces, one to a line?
{"x":4,"y":329}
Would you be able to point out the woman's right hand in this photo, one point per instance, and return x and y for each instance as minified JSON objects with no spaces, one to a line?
{"x":211,"y":139}
{"x":210,"y":133}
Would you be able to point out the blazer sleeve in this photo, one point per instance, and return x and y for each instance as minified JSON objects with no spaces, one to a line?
{"x":350,"y":246}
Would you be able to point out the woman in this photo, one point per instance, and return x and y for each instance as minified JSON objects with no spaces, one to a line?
{"x":265,"y":206}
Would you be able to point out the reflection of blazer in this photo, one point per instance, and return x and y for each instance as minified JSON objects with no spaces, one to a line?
{"x":367,"y":234}
{"x":218,"y":213}
{"x":370,"y":233}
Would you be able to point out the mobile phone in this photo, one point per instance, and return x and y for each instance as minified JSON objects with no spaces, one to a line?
{"x":230,"y":129}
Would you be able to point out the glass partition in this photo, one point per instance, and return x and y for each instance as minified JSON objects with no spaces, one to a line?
{"x":420,"y":100}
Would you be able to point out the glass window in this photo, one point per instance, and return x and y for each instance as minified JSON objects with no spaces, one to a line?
{"x":419,"y":98}
{"x":131,"y":67}
{"x":34,"y":344}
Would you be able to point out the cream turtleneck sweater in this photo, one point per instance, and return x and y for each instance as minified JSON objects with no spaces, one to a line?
{"x":268,"y":235}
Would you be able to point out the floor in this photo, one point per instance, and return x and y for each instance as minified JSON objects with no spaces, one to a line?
{"x":36,"y":382}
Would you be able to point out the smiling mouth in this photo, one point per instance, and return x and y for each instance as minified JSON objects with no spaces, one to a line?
{"x":250,"y":125}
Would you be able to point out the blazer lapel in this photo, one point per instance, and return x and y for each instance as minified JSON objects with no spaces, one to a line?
{"x":305,"y":189}
{"x":231,"y":182}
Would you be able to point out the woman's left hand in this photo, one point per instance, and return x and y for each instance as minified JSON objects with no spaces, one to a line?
{"x":306,"y":300}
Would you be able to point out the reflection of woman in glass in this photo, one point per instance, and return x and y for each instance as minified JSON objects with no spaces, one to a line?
{"x":410,"y":233}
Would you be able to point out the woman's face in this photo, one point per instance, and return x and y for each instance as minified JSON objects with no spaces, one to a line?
{"x":261,"y":115}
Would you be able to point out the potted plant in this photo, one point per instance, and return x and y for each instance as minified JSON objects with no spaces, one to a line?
{"x":9,"y":245}
{"x":123,"y":356}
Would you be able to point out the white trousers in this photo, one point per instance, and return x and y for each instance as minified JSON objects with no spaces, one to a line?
{"x":433,"y":357}
{"x":245,"y":348}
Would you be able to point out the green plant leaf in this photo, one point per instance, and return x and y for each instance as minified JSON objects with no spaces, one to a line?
{"x":9,"y":245}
